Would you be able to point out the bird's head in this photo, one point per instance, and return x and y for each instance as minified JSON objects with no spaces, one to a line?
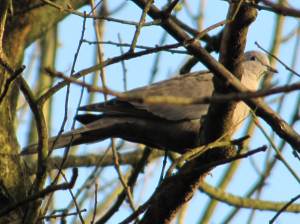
{"x":256,"y":64}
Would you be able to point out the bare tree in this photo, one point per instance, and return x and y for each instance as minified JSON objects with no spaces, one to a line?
{"x":29,"y":184}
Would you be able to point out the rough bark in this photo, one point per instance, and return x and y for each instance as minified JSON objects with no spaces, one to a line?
{"x":168,"y":199}
{"x":21,"y":28}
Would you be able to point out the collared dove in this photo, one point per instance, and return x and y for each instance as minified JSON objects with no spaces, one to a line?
{"x":163,"y":126}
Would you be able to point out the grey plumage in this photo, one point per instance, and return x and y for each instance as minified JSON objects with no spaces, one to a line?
{"x":188,"y":86}
{"x":164,"y":126}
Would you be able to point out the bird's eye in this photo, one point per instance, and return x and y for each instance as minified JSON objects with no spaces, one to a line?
{"x":253,"y":58}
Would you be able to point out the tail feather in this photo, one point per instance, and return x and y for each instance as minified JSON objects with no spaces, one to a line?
{"x":97,"y":130}
{"x":54,"y":142}
{"x":88,"y":118}
{"x":115,"y":108}
{"x":156,"y":133}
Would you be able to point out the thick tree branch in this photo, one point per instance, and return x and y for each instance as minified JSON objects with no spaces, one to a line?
{"x":281,"y":9}
{"x":173,"y":198}
{"x":26,"y":19}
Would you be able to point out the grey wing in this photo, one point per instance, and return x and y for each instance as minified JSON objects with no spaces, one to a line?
{"x":117,"y":107}
{"x":193,"y":86}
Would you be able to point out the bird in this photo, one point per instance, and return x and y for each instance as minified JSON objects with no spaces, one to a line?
{"x":163,"y":126}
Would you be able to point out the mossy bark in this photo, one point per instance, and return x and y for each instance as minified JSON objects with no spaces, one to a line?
{"x":20,"y":28}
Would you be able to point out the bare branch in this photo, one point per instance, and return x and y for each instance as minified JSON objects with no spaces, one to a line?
{"x":42,"y":193}
{"x":246,"y":202}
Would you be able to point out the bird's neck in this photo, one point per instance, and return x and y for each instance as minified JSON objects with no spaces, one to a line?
{"x":250,"y":81}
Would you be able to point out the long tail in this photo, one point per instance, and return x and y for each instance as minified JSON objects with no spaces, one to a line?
{"x":157,"y":133}
{"x":96,"y":129}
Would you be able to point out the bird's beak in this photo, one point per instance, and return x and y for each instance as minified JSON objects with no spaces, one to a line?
{"x":271,"y":69}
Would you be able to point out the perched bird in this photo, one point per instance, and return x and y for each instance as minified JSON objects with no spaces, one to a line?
{"x":163,"y":126}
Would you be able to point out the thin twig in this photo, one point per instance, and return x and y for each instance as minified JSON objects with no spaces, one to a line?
{"x":131,"y":181}
{"x":237,"y":157}
{"x":118,"y":44}
{"x":61,"y":215}
{"x":122,"y":180}
{"x":169,"y":8}
{"x":271,"y":7}
{"x":48,"y":190}
{"x":135,"y":214}
{"x":124,"y":69}
{"x":278,"y":153}
{"x":280,"y":61}
{"x":284,"y":208}
{"x":139,"y":26}
{"x":109,"y":19}
{"x":95,"y":203}
{"x":73,"y":199}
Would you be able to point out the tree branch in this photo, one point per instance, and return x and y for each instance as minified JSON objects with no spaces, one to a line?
{"x":242,"y":202}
